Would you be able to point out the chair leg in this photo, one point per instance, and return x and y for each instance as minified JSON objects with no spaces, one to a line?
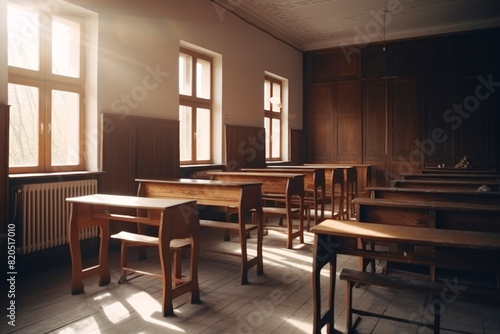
{"x":123,"y":262}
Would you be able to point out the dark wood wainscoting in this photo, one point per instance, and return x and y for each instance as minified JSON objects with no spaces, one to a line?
{"x":137,"y":147}
{"x":245,"y":147}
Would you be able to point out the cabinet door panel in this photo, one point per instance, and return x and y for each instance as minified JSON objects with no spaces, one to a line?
{"x":375,"y":119}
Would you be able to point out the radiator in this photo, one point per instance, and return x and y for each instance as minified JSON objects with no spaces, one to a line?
{"x":44,"y":213}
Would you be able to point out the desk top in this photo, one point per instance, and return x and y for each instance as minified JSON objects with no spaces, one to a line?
{"x":434,"y":191}
{"x":128,"y":201}
{"x":201,"y":182}
{"x":409,"y":234}
{"x":259,"y":174}
{"x":398,"y":203}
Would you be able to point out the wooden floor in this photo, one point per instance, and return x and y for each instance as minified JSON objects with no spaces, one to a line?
{"x":280,"y":301}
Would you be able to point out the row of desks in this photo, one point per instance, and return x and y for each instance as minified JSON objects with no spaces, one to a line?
{"x":415,"y":214}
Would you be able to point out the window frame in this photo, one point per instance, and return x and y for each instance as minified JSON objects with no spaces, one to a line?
{"x":194,"y":102}
{"x":269,"y":114}
{"x":46,"y":81}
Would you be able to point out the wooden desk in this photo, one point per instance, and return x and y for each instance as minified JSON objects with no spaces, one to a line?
{"x":451,"y":170}
{"x":483,"y":177}
{"x":244,"y":196}
{"x":363,"y":171}
{"x":443,"y":215}
{"x":275,"y":186}
{"x":98,"y":210}
{"x":440,"y":184}
{"x":314,"y":183}
{"x":436,"y":195}
{"x":334,"y":237}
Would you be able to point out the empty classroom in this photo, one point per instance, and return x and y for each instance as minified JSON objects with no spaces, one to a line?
{"x":222,"y":166}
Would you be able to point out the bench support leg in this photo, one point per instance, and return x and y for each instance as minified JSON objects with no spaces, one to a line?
{"x":348,"y":306}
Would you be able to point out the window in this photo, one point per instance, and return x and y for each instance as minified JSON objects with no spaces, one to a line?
{"x":195,"y":107}
{"x":272,"y":117}
{"x":45,"y":89}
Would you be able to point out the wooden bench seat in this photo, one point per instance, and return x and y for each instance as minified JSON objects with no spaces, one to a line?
{"x":129,"y":239}
{"x":439,"y":290}
{"x":220,"y":225}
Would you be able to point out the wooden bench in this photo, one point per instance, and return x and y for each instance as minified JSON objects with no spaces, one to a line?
{"x":436,"y":195}
{"x":438,"y":290}
{"x":287,"y":188}
{"x":480,"y":252}
{"x":314,"y":187}
{"x":445,"y":184}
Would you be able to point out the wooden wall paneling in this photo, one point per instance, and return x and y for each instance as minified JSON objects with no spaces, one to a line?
{"x":375,"y":61}
{"x":375,"y":119}
{"x":347,"y":137}
{"x":440,"y":55}
{"x":156,"y":148}
{"x":320,"y":67}
{"x":117,"y":158}
{"x":474,"y":134}
{"x":136,"y":147}
{"x":406,"y":58}
{"x":143,"y":150}
{"x":404,"y":124}
{"x":438,"y":135}
{"x":296,"y":147}
{"x":320,"y":106}
{"x":167,"y":149}
{"x":4,"y":169}
{"x":347,"y":64}
{"x":245,"y":147}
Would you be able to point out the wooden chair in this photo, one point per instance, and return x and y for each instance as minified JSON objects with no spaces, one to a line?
{"x":180,"y":235}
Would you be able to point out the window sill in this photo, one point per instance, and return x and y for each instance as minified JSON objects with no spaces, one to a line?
{"x":17,"y":179}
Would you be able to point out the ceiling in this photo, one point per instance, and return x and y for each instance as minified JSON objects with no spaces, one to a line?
{"x":319,"y":24}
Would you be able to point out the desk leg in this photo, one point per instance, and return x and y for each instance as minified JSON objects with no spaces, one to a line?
{"x":260,"y":240}
{"x":80,"y":217}
{"x":104,"y":276}
{"x":76,"y":254}
{"x":243,"y":244}
{"x":323,"y":254}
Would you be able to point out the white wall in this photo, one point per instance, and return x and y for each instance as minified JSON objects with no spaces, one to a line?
{"x":3,"y":52}
{"x":138,"y":38}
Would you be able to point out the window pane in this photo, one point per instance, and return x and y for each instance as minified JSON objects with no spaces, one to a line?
{"x":65,"y":128}
{"x":276,"y":98}
{"x":267,"y":127}
{"x":185,"y":74}
{"x":202,"y":134}
{"x":23,"y":128}
{"x":185,"y":126}
{"x":203,"y":79}
{"x":276,"y":136}
{"x":23,"y":38}
{"x":267,"y":95}
{"x":65,"y":47}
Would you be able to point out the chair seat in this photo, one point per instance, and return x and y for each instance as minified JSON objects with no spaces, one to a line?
{"x":142,"y":239}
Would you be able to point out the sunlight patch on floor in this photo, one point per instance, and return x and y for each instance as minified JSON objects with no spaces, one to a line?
{"x":85,"y":325}
{"x":115,"y":312}
{"x":146,"y":306}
